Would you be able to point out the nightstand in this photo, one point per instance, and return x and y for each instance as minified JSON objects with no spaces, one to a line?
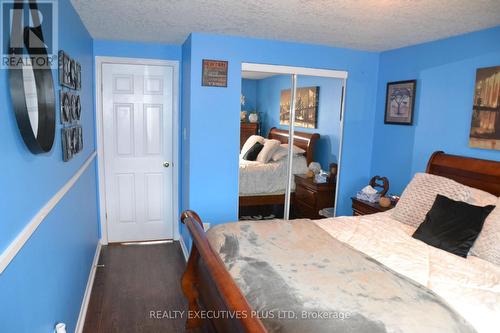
{"x":361,"y":207}
{"x":246,"y":131}
{"x":311,"y":197}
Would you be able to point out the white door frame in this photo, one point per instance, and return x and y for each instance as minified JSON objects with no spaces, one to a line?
{"x":99,"y":61}
{"x":307,"y":71}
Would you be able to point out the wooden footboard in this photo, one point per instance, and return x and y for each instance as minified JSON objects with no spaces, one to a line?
{"x":214,"y":297}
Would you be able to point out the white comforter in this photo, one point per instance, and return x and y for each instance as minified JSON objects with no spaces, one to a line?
{"x":471,"y":286}
{"x":258,"y":178}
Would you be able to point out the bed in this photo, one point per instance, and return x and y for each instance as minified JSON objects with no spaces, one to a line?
{"x":264,"y":183}
{"x":461,"y":295}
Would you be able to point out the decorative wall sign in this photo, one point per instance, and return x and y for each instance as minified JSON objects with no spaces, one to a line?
{"x":214,"y":73}
{"x":71,"y":108}
{"x":77,"y":108}
{"x":65,"y":79}
{"x":78,"y":76}
{"x":306,"y":107}
{"x":70,"y":76}
{"x":72,"y":141}
{"x":400,"y":102}
{"x":65,"y":102}
{"x":32,"y":88}
{"x":485,"y":124}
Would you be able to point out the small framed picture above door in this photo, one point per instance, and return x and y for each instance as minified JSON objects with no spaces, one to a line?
{"x":400,"y":102}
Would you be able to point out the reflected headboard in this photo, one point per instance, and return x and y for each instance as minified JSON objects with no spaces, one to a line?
{"x":473,"y":172}
{"x":302,"y":140}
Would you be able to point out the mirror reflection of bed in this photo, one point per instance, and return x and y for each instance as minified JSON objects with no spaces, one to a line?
{"x":262,"y":185}
{"x":263,"y":177}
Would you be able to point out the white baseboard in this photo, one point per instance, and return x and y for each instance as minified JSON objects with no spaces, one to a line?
{"x":88,"y":290}
{"x":184,"y":248}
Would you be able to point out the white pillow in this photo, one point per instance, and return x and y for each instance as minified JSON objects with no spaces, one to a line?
{"x":270,"y":146}
{"x":487,"y":245}
{"x":481,"y":198}
{"x":282,"y":152}
{"x":420,"y":194}
{"x":250,"y":142}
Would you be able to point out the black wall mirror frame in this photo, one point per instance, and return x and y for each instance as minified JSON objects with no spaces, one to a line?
{"x":43,"y":141}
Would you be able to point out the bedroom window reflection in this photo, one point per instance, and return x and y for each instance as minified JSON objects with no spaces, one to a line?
{"x":266,"y":171}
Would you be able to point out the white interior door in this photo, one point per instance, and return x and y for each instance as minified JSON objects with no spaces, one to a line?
{"x":138,"y":151}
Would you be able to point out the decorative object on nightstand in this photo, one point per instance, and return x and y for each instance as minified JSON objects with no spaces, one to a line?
{"x":384,"y":202}
{"x":381,"y":182}
{"x":315,"y":167}
{"x":243,"y":116}
{"x":334,"y":168}
{"x":361,"y":207}
{"x":253,"y":117}
{"x":371,"y":201}
{"x":246,"y":131}
{"x":311,"y":197}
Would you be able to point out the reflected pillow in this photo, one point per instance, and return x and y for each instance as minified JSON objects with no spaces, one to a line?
{"x":270,"y":147}
{"x":250,"y":142}
{"x":452,"y":225}
{"x":282,"y":152}
{"x":253,"y":152}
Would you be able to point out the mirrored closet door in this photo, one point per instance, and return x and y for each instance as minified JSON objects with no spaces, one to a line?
{"x":290,"y":138}
{"x":263,"y":160}
{"x":316,"y":146}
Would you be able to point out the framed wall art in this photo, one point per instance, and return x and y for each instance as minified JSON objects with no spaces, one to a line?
{"x":306,"y":107}
{"x":65,"y":78}
{"x":400,"y":102}
{"x":65,"y":101}
{"x":485,"y":123}
{"x":214,"y":73}
{"x":78,"y":76}
{"x":72,"y":141}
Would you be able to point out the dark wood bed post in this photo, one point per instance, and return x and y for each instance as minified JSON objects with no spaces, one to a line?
{"x":189,"y":280}
{"x":209,"y":286}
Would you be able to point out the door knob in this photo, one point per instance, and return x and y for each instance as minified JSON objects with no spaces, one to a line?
{"x":166,"y":164}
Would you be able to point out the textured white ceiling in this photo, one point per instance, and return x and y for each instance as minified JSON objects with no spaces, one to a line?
{"x":361,"y":24}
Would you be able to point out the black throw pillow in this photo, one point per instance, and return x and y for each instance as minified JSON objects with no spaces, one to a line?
{"x":452,"y":225}
{"x":253,"y":152}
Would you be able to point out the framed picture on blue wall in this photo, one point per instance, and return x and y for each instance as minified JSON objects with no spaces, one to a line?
{"x":485,"y":123}
{"x":400,"y":102}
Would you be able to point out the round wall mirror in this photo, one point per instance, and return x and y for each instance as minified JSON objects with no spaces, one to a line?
{"x":33,"y":99}
{"x":32,"y":90}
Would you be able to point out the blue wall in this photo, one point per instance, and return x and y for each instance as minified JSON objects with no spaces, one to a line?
{"x":213,"y":177}
{"x":445,"y":71}
{"x":46,"y":280}
{"x":328,"y":122}
{"x":249,"y":90}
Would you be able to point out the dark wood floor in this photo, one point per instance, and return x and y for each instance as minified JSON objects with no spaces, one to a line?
{"x":135,"y":280}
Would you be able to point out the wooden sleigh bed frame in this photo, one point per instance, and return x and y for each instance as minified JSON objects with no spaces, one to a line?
{"x":306,"y":141}
{"x":209,"y":286}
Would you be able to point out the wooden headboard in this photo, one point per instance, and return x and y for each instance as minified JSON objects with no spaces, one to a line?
{"x":302,"y":140}
{"x":473,"y":172}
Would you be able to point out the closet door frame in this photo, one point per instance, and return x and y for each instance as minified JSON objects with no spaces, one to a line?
{"x":304,"y":71}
